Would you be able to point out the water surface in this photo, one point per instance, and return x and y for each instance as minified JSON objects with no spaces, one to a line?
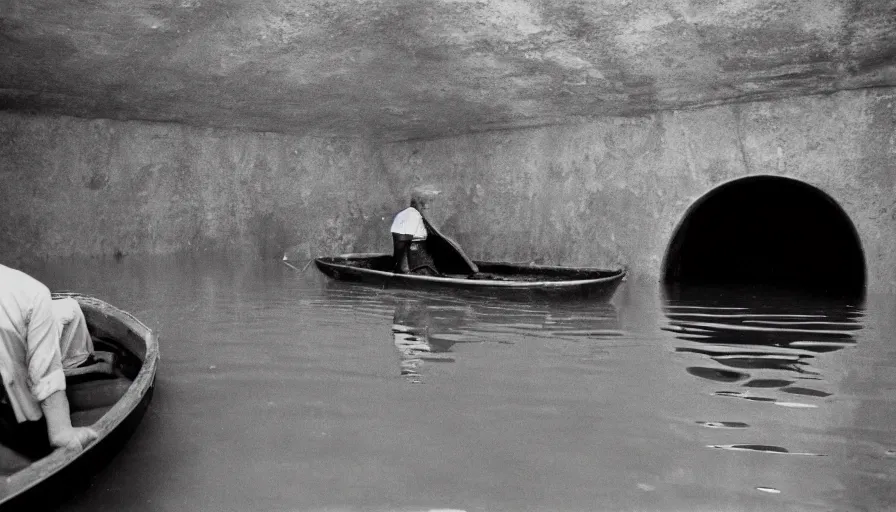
{"x":280,"y":390}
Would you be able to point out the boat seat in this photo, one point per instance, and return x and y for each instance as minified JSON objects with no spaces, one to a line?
{"x":96,"y":393}
{"x":103,"y":363}
{"x":89,"y":400}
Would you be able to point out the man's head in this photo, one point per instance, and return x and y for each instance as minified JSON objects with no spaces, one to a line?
{"x":422,"y":195}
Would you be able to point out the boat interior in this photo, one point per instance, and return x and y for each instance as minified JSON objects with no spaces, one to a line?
{"x":92,"y":390}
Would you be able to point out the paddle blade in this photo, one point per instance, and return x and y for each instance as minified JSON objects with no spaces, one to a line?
{"x":446,"y":253}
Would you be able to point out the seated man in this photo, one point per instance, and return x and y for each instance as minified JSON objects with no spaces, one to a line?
{"x":39,"y":340}
{"x":409,"y":239}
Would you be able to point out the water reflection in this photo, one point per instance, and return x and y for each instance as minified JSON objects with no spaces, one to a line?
{"x":411,"y":336}
{"x":427,"y":327}
{"x":762,"y":449}
{"x":281,"y":390}
{"x":761,"y":344}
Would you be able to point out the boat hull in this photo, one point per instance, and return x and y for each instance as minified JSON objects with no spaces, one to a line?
{"x":505,"y":280}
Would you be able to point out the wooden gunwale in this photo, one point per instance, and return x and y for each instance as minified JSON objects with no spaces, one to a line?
{"x":475,"y":283}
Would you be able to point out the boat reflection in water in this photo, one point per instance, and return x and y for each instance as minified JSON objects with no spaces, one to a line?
{"x":428,"y":327}
{"x":428,"y":330}
{"x":762,"y":344}
{"x":411,"y":335}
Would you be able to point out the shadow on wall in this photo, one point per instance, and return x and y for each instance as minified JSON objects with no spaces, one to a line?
{"x":271,"y":235}
{"x":770,"y":231}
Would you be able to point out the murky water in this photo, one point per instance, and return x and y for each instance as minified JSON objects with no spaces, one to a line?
{"x":279,"y":390}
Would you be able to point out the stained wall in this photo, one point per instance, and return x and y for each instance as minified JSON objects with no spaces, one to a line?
{"x":611,"y":192}
{"x":71,"y":186}
{"x":603,"y":193}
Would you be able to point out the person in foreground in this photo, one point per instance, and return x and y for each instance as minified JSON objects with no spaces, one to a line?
{"x":409,"y":237}
{"x":41,"y":339}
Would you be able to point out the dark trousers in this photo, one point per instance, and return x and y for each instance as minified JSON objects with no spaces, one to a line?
{"x":420,"y":260}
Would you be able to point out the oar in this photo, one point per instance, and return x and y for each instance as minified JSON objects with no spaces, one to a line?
{"x":433,"y":233}
{"x":290,"y":265}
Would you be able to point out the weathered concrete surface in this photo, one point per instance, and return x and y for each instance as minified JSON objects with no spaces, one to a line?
{"x":602,"y":193}
{"x":75,"y":187}
{"x":612,"y":192}
{"x":400,"y":69}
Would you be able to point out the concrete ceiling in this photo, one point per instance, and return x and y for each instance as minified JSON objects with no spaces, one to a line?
{"x":407,"y":69}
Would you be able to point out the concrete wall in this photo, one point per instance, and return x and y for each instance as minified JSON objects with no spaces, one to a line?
{"x":605,"y":193}
{"x":76,"y":187}
{"x":612,"y":192}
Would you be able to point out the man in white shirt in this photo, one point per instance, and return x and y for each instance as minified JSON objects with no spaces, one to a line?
{"x":409,"y":237}
{"x":39,"y":339}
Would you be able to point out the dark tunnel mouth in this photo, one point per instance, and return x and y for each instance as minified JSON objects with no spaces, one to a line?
{"x":767,"y":230}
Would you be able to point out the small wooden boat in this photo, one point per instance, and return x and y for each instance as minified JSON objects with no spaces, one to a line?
{"x":112,"y":403}
{"x":493,"y":278}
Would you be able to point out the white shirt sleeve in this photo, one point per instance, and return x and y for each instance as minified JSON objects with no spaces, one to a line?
{"x":409,"y":222}
{"x":45,"y":373}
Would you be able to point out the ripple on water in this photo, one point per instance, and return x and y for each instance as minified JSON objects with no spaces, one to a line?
{"x":762,"y":448}
{"x":717,"y":374}
{"x":767,"y":383}
{"x":805,"y":391}
{"x":723,"y":424}
{"x":769,"y":399}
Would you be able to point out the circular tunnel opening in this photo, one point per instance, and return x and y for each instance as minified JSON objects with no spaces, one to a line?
{"x":767,"y":231}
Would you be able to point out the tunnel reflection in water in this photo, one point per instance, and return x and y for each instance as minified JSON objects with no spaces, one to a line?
{"x":759,"y":344}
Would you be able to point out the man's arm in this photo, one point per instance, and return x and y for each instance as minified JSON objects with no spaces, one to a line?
{"x":47,"y":378}
{"x":59,"y":423}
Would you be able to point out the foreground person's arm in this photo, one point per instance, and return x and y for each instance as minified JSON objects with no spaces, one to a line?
{"x":59,"y":423}
{"x":47,"y":377}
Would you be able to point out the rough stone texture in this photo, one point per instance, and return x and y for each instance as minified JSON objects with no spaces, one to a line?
{"x":601,"y":193}
{"x":405,"y":69}
{"x":613,"y":192}
{"x":75,"y":187}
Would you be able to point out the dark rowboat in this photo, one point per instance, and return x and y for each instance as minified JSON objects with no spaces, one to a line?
{"x":112,"y":403}
{"x":493,"y":278}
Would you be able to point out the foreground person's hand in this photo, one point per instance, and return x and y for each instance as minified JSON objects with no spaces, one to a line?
{"x":59,"y":424}
{"x":74,"y":438}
